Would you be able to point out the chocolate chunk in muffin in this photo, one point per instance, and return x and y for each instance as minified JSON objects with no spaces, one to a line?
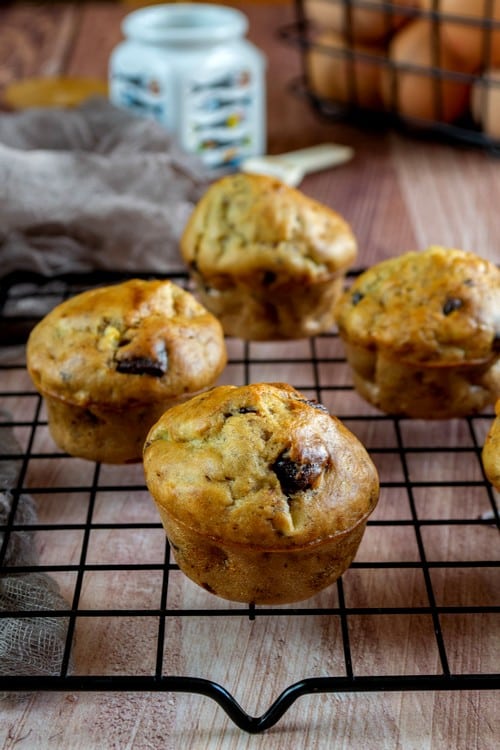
{"x":264,"y":496}
{"x":109,"y":362}
{"x":421,"y":333}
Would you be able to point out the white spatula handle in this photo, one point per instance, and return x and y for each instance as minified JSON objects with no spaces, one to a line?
{"x":318,"y":157}
{"x":292,"y":166}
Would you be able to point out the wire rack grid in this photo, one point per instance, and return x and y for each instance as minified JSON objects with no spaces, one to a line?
{"x":417,"y":611}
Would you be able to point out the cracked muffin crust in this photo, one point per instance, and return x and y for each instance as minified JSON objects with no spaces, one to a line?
{"x":268,"y":261}
{"x":109,"y":361}
{"x":263,"y":495}
{"x":422,"y":333}
{"x":491,"y":450}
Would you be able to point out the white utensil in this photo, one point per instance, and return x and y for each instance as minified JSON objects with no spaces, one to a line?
{"x":292,"y":167}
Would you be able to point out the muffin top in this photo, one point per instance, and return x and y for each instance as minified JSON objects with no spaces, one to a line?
{"x":260,"y":466}
{"x":440,"y":306}
{"x":126,"y":344}
{"x":258,"y":230}
{"x":491,"y":451}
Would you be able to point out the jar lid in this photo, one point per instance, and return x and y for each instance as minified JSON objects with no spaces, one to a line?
{"x":184,"y":23}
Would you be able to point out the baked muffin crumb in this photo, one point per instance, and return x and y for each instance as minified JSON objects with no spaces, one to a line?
{"x":110,"y":360}
{"x":267,"y":260}
{"x":491,"y":450}
{"x":421,"y":333}
{"x":255,"y":484}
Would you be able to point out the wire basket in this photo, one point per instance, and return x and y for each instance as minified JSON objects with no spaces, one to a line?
{"x":390,"y":623}
{"x":416,"y":65}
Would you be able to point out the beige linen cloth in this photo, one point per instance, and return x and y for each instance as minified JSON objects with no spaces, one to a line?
{"x":29,"y":645}
{"x":93,"y":187}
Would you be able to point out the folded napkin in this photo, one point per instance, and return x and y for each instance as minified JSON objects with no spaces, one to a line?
{"x":93,"y":187}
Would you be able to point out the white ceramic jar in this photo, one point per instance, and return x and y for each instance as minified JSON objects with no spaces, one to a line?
{"x":189,"y":66}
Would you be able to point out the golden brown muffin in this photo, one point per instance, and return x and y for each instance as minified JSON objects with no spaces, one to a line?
{"x":263,"y":495}
{"x":491,"y":451}
{"x":267,"y":260}
{"x":422,"y":333}
{"x":110,"y":361}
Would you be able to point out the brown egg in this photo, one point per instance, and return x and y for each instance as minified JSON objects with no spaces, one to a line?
{"x":335,"y":72}
{"x":420,"y":93}
{"x":467,"y":39}
{"x":366,"y":25}
{"x":485,"y":102}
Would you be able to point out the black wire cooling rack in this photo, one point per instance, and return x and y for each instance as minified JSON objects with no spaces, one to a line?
{"x":433,"y":543}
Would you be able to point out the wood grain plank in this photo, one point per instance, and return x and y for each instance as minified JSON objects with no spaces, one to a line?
{"x":99,"y":32}
{"x":451,"y":195}
{"x":35,"y":40}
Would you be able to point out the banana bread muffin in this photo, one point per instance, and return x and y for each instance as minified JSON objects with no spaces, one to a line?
{"x":422,"y":333}
{"x":491,"y":451}
{"x":263,"y":495}
{"x":109,"y":361}
{"x":268,"y":261}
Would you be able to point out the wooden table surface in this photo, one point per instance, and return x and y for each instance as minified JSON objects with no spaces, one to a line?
{"x":398,"y":193}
